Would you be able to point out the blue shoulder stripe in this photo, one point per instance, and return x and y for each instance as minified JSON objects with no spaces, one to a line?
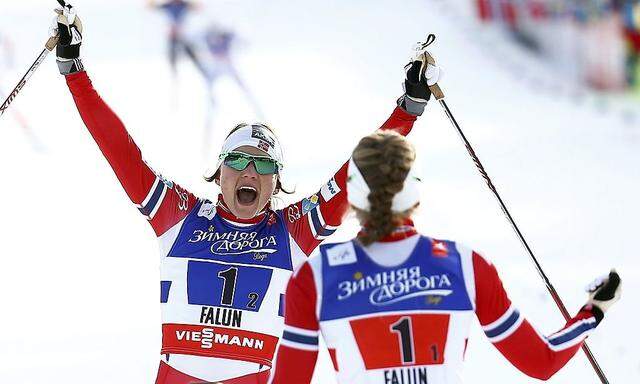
{"x":148,"y":208}
{"x":504,"y":326}
{"x":298,"y":338}
{"x":320,"y":229}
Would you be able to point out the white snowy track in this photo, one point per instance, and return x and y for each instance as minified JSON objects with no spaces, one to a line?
{"x":79,"y":275}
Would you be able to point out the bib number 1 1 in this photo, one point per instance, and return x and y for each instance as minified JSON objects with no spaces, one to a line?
{"x":393,"y":341}
{"x":405,"y":336}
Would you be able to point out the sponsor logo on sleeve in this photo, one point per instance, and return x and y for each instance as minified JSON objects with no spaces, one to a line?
{"x":293,"y":213}
{"x":183,"y":204}
{"x":341,"y":255}
{"x":329,"y":190}
{"x":309,"y":204}
{"x":166,"y":182}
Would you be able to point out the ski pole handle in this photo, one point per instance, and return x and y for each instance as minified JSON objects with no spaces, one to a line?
{"x":435,"y":88}
{"x":52,"y":42}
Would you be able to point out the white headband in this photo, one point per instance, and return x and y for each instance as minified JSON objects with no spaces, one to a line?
{"x":257,"y":136}
{"x":358,"y":190}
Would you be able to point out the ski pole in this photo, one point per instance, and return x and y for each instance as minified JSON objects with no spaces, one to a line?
{"x":439,"y":95}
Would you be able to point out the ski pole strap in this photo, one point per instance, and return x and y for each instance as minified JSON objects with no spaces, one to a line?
{"x":67,"y":67}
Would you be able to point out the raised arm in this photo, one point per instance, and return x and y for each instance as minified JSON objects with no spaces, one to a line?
{"x":535,"y":355}
{"x":313,"y":219}
{"x":162,"y":202}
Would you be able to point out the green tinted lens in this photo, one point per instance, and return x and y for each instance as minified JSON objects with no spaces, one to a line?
{"x":265,"y":166}
{"x":240,"y":161}
{"x":236,"y":161}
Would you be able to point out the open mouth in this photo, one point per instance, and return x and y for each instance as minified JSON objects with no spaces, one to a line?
{"x":246,"y":195}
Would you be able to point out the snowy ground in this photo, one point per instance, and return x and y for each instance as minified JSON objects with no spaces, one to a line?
{"x":79,"y":279}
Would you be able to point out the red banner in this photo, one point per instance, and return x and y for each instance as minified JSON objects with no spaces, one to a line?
{"x":220,"y":342}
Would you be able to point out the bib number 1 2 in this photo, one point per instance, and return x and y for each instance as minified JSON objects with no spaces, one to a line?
{"x":238,"y":287}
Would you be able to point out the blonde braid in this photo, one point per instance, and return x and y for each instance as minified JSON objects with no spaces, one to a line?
{"x":384,"y":159}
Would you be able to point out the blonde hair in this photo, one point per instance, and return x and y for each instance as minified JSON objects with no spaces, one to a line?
{"x":384,"y":158}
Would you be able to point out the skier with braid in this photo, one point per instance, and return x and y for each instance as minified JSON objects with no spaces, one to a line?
{"x":395,"y":306}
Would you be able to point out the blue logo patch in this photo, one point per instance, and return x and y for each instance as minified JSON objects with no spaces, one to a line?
{"x":309,"y":204}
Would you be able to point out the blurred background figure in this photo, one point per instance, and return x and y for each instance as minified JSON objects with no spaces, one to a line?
{"x":7,"y":63}
{"x":177,"y":12}
{"x":214,"y":48}
{"x":218,"y":61}
{"x":6,"y":51}
{"x":594,"y":42}
{"x":631,"y":12}
{"x":210,"y":51}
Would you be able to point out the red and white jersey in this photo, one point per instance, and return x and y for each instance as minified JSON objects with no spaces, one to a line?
{"x":223,"y":279}
{"x":399,"y":311}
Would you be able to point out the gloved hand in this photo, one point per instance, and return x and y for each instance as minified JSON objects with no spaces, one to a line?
{"x":419,"y":75}
{"x":603,"y":293}
{"x":69,"y":28}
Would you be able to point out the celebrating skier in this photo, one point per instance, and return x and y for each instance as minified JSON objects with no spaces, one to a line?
{"x":224,"y":265}
{"x":395,"y":306}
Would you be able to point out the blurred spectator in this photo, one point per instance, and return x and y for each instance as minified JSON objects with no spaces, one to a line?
{"x":177,"y":12}
{"x":593,"y":41}
{"x":6,"y":51}
{"x":631,"y":17}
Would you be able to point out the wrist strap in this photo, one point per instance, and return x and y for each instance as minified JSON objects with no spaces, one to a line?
{"x":595,"y":310}
{"x":70,"y":66}
{"x":411,"y":105}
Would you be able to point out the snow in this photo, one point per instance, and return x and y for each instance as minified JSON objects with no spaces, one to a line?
{"x":79,"y":283}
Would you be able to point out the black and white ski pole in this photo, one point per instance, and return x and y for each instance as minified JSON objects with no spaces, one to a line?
{"x":439,"y":95}
{"x":48,"y":47}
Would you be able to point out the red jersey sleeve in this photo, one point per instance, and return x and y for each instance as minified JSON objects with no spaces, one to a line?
{"x":535,"y":355}
{"x":162,"y":202}
{"x":317,"y":217}
{"x":298,"y":350}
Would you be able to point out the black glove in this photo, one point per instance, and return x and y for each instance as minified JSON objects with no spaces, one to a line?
{"x":69,"y":29}
{"x":603,"y":293}
{"x":419,"y":74}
